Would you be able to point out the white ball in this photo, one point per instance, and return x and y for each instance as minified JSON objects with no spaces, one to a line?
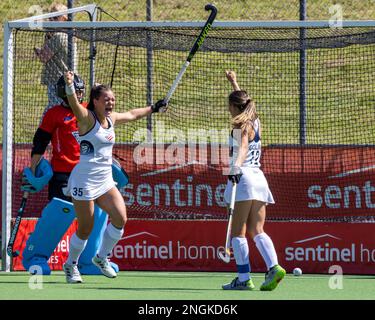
{"x":297,"y":271}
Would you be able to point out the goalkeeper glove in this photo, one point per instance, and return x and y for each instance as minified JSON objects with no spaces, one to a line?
{"x":159,"y":105}
{"x":26,"y":186}
{"x":34,"y":183}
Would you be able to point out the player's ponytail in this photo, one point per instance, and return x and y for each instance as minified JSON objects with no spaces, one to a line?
{"x":241,"y":100}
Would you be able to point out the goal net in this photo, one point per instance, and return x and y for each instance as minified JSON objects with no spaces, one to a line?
{"x":315,"y":96}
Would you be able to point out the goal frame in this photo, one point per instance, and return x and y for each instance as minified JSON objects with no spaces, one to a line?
{"x":8,"y":73}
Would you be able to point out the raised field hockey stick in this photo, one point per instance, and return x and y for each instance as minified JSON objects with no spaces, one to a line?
{"x":226,"y":257}
{"x":17,"y":223}
{"x":194,"y":49}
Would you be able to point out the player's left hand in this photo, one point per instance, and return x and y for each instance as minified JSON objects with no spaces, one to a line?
{"x":235,"y":174}
{"x":160,"y":106}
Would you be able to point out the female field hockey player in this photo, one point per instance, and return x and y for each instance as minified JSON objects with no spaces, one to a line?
{"x":58,"y":127}
{"x":91,"y":179}
{"x":253,"y":193}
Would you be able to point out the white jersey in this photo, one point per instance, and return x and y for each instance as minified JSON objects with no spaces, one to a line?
{"x":92,"y":176}
{"x":253,"y":184}
{"x":254,"y":149}
{"x":96,"y":145}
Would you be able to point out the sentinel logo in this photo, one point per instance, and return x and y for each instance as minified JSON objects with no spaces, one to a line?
{"x":178,"y":193}
{"x":170,"y":249}
{"x":139,"y":234}
{"x":335,"y":196}
{"x":322,"y":252}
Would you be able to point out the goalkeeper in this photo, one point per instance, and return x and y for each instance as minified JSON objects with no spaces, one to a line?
{"x":58,"y":126}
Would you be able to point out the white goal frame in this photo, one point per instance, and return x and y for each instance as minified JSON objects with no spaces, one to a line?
{"x":7,"y":152}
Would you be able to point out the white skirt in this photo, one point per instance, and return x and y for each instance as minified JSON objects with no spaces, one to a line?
{"x":252,"y":186}
{"x":89,"y":183}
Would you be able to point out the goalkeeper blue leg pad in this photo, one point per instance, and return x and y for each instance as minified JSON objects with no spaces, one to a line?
{"x":85,"y":265}
{"x":56,"y":218}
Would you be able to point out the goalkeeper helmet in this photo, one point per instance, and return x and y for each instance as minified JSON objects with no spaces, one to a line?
{"x":79,"y":86}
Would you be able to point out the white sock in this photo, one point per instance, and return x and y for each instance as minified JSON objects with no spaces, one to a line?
{"x":241,"y":254}
{"x":110,"y":237}
{"x":76,"y":246}
{"x":266,"y":248}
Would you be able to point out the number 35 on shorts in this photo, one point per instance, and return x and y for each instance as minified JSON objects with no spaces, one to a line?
{"x":77,"y":192}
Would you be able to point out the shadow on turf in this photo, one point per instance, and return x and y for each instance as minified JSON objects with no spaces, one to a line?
{"x":23,"y":282}
{"x":151,"y":289}
{"x":359,"y":277}
{"x":166,"y":276}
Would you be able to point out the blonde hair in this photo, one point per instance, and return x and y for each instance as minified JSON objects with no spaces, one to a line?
{"x":56,"y":7}
{"x":241,"y":100}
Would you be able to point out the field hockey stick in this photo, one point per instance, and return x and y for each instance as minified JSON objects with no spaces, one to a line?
{"x":226,"y":257}
{"x":17,"y":223}
{"x":194,"y":49}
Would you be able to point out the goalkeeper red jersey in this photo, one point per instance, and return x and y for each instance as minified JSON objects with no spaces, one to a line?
{"x":61,"y":123}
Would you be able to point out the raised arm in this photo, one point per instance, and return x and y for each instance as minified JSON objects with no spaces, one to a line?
{"x":44,"y":54}
{"x":85,"y":120}
{"x":131,"y":115}
{"x":231,"y":76}
{"x":138,"y":113}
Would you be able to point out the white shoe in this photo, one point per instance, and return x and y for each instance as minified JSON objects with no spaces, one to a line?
{"x":104,"y":266}
{"x":72,"y":273}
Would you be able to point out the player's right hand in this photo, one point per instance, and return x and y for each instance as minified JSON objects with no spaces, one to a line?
{"x":26,"y":186}
{"x":235,"y":174}
{"x":69,"y":78}
{"x":231,"y":76}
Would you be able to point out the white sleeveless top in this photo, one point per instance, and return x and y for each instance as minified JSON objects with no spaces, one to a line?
{"x":92,"y":176}
{"x":254,"y":151}
{"x":96,"y":145}
{"x":253,"y":184}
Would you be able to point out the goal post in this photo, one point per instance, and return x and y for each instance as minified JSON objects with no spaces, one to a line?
{"x":7,"y":154}
{"x":329,"y":176}
{"x":31,"y":23}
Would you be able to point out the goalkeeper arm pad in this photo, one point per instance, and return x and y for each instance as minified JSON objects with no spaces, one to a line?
{"x":40,"y":142}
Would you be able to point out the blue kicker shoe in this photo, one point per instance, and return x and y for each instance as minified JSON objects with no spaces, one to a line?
{"x":37,"y":265}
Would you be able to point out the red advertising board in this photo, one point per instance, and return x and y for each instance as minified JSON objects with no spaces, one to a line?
{"x":176,"y":182}
{"x":57,"y":258}
{"x":194,"y":246}
{"x":169,"y":181}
